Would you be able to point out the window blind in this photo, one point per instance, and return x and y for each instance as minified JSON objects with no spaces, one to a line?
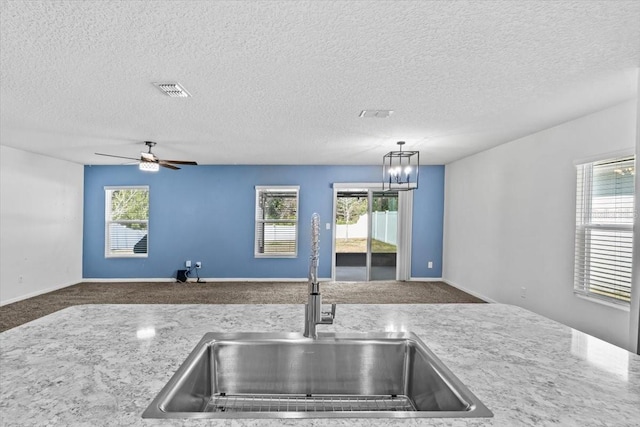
{"x":604,"y":229}
{"x":276,"y":229}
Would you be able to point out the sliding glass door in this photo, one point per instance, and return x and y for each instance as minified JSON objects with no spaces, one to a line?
{"x":351,"y":226}
{"x":366,"y":233}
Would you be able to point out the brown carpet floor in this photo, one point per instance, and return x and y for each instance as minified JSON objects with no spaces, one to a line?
{"x":386,"y":292}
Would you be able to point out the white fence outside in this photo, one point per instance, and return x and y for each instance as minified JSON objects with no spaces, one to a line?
{"x":384,"y":228}
{"x":358,"y":230}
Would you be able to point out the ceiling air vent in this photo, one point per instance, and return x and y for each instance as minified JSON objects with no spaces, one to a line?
{"x":173,"y":89}
{"x":378,"y":114}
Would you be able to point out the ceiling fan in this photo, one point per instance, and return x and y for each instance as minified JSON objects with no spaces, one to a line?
{"x":151,"y":160}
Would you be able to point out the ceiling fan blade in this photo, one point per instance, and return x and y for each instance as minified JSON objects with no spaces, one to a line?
{"x":180,"y":162}
{"x":119,"y":157}
{"x":168,"y":166}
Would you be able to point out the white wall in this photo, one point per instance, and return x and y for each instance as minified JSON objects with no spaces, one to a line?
{"x":40,"y":224}
{"x":510,"y":220}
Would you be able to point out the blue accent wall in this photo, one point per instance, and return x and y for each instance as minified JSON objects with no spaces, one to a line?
{"x":428,"y":223}
{"x":206,"y":213}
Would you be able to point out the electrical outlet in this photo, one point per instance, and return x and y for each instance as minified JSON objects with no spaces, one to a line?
{"x":430,"y":264}
{"x":198,"y":264}
{"x":187,"y":264}
{"x":523,"y":292}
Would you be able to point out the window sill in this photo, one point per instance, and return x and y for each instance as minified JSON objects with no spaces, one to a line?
{"x":603,"y":302}
{"x":276,"y":256}
{"x":128,"y":256}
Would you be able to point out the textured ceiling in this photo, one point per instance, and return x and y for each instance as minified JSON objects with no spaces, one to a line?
{"x":283,"y":82}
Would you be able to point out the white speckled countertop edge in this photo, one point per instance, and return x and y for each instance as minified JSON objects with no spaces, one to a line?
{"x":103,"y":364}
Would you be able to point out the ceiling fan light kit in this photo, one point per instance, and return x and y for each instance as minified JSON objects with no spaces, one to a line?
{"x":149,"y":166}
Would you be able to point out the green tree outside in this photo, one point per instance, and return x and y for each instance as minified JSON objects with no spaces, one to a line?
{"x":130,"y":205}
{"x":349,"y":209}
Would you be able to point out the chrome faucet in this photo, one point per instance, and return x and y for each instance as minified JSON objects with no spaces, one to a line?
{"x":314,"y":314}
{"x":313,"y":309}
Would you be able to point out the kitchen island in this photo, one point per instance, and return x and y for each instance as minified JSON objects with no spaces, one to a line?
{"x":100,"y":365}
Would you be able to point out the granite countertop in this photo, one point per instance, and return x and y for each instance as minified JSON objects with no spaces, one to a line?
{"x":100,"y":365}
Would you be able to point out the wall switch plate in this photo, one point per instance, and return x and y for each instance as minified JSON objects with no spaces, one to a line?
{"x":328,"y":226}
{"x":430,"y":264}
{"x":187,"y":264}
{"x":523,"y":292}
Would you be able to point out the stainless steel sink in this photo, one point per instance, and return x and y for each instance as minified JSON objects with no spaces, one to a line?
{"x":276,"y":375}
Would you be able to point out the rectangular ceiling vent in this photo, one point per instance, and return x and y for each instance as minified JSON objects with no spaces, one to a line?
{"x":378,"y":114}
{"x":173,"y":89}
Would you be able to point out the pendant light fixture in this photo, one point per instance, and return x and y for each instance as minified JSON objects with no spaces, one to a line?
{"x":400,"y":169}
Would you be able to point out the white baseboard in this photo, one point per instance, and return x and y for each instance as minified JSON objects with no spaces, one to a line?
{"x":131,"y":280}
{"x":426,"y":279}
{"x":206,"y":279}
{"x":255,"y":279}
{"x":475,"y":294}
{"x":258,"y":279}
{"x":36,"y":293}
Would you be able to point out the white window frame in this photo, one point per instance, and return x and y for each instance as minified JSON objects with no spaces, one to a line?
{"x":108,"y":190}
{"x":275,"y":188}
{"x":587,"y":223}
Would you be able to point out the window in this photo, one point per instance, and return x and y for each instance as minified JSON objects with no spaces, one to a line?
{"x":604,"y":229}
{"x":126,"y":221}
{"x":276,"y":221}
